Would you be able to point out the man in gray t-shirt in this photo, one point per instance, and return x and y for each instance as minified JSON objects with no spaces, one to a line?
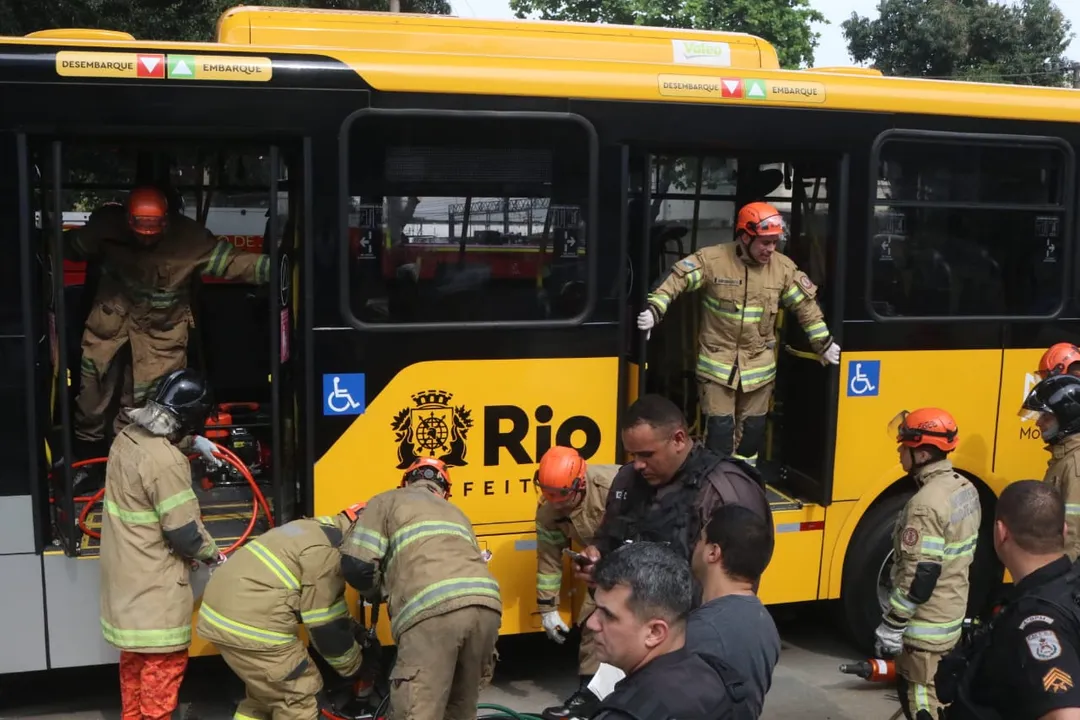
{"x":732,"y":552}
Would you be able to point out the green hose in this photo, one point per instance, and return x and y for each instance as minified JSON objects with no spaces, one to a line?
{"x":504,"y":713}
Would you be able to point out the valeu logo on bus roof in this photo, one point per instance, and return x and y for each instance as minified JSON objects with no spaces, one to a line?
{"x":150,"y":66}
{"x":755,"y":89}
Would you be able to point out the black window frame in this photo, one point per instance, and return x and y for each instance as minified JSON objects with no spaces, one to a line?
{"x":1067,"y":208}
{"x":591,"y":215}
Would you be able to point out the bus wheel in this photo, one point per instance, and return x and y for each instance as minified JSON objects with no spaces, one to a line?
{"x":865,"y":587}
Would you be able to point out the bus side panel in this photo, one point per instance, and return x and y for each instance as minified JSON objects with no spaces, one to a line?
{"x":72,"y":588}
{"x":1020,"y":452}
{"x":836,"y":517}
{"x":22,"y":623}
{"x":792,"y":575}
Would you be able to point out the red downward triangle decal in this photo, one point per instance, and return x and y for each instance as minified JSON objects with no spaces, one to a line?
{"x":151,"y":66}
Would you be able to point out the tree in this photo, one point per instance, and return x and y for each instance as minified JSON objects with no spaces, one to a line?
{"x":193,"y":20}
{"x":784,"y":23}
{"x":982,"y":40}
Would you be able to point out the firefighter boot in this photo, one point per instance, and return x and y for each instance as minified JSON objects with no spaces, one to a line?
{"x":720,"y":434}
{"x":582,"y":704}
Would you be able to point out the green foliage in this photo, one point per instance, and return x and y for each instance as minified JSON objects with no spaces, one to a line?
{"x":193,"y":20}
{"x":981,"y":40}
{"x":784,"y":23}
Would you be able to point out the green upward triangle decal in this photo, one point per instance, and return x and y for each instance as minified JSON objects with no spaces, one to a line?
{"x":755,"y":89}
{"x":181,"y":66}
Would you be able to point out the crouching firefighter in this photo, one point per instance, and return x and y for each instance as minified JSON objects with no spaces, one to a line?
{"x":253,"y":606}
{"x":415,"y":548}
{"x":934,"y":543}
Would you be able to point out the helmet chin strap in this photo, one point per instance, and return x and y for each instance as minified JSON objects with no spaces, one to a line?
{"x":744,"y":250}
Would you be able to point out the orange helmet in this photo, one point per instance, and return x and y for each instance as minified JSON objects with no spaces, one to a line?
{"x":1057,"y":359}
{"x":427,"y":468}
{"x":147,"y":210}
{"x":353,"y":511}
{"x":758,"y":219}
{"x":561,"y":474}
{"x":926,"y":426}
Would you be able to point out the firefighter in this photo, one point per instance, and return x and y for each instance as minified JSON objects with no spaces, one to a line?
{"x":933,"y":544}
{"x":744,"y":284}
{"x":418,"y":550}
{"x":1060,"y":358}
{"x":150,"y":532}
{"x":1054,"y":404}
{"x":573,"y":496}
{"x":149,"y":256}
{"x":253,"y":607}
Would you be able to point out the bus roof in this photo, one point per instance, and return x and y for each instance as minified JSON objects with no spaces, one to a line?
{"x":404,"y":52}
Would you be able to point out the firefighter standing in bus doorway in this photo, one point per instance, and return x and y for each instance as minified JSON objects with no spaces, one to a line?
{"x":149,"y":256}
{"x":744,"y":283}
{"x":1054,"y":405}
{"x":1058,"y":359}
{"x":933,"y":544}
{"x":151,"y":530}
{"x":573,"y":497}
{"x":415,"y":548}
{"x":252,"y":609}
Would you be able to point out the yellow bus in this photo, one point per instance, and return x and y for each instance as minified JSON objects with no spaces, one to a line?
{"x":463,"y":218}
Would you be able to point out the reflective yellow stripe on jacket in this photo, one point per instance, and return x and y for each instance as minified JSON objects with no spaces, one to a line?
{"x":167,"y":637}
{"x":443,"y":591}
{"x":231,"y":627}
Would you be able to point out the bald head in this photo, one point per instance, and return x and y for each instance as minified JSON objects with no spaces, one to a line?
{"x":1034,"y":514}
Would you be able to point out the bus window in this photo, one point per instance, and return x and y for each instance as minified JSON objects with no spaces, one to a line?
{"x":962,"y":227}
{"x":467,"y":219}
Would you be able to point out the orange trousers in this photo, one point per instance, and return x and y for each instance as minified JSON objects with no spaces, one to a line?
{"x":150,"y":684}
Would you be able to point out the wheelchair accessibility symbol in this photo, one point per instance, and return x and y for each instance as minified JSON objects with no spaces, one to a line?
{"x":863,"y":378}
{"x":343,"y":394}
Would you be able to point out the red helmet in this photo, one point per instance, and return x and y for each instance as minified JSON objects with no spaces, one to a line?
{"x":427,"y":468}
{"x":926,"y":426}
{"x":758,"y":219}
{"x":147,"y":211}
{"x":353,"y":511}
{"x":1058,"y":359}
{"x":561,"y":474}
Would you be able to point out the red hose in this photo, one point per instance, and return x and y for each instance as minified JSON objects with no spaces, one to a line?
{"x":258,"y":499}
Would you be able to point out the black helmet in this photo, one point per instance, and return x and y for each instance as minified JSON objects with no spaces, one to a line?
{"x":185,"y":394}
{"x":1059,"y":396}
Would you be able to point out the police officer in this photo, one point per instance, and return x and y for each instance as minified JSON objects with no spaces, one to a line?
{"x":933,"y":543}
{"x":1054,"y":404}
{"x":744,"y":283}
{"x":1060,"y":358}
{"x":671,"y":487}
{"x":573,"y":495}
{"x":415,"y":548}
{"x":1026,"y":664}
{"x":253,"y":607}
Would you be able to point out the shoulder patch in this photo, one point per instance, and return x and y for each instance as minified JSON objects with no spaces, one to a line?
{"x":1057,"y":680}
{"x":909,"y":537}
{"x":806,"y":283}
{"x":1043,"y":645}
{"x":687,"y":264}
{"x":1036,"y":618}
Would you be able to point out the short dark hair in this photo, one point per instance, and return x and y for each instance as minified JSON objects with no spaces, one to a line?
{"x":1034,"y":512}
{"x":744,"y":539}
{"x":660,"y":582}
{"x":656,"y":411}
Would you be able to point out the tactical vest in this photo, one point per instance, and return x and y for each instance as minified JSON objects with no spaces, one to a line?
{"x":675,"y":519}
{"x":959,"y":669}
{"x":698,"y":686}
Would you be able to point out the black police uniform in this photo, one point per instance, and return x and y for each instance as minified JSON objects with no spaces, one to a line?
{"x":637,"y":511}
{"x":681,"y":684}
{"x":1025,"y":663}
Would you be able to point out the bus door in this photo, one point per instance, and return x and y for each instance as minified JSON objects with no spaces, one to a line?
{"x":681,"y":201}
{"x":240,"y":334}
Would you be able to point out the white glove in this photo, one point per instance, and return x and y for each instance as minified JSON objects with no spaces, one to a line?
{"x":646,"y":321}
{"x":832,"y":354}
{"x":205,"y":448}
{"x":889,"y":640}
{"x":554,"y":626}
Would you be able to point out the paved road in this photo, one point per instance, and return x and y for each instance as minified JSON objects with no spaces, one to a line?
{"x":533,"y":673}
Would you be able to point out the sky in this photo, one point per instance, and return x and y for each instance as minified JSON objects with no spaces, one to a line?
{"x":831,"y":50}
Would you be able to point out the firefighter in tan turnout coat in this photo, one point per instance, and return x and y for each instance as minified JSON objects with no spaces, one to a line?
{"x":150,"y":532}
{"x":148,"y":255}
{"x":416,"y":549}
{"x":934,"y":544}
{"x":573,"y":496}
{"x":742,"y":284}
{"x":253,"y":607}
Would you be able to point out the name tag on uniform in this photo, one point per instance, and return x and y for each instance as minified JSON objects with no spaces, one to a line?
{"x":730,"y":282}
